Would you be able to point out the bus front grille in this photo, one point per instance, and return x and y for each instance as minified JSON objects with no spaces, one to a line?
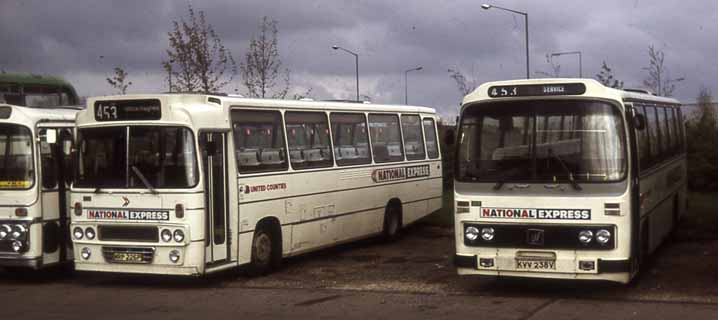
{"x":128,"y":233}
{"x":128,"y":255}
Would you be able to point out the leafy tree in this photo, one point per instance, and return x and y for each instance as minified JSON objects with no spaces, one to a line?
{"x":701,"y":131}
{"x":658,"y":79}
{"x":261,"y":68}
{"x":119,"y":81}
{"x":605,"y":76}
{"x":197,"y":60}
{"x":464,"y":84}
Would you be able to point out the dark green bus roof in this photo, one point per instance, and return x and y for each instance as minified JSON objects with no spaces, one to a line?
{"x":31,"y":79}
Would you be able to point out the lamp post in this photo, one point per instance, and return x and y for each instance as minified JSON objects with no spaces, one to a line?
{"x":526,"y":25}
{"x":356,"y":59}
{"x":580,"y":64}
{"x":406,"y":85}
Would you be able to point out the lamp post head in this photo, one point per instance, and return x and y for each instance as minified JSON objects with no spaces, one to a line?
{"x":419,"y":68}
{"x":335,"y":47}
{"x":486,"y":6}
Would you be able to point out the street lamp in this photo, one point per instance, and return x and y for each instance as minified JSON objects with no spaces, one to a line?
{"x":406,"y":85}
{"x":580,"y":64}
{"x":356,"y":58}
{"x":526,"y":25}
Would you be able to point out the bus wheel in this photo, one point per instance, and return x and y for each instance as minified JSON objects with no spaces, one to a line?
{"x":264,"y":257}
{"x":392,"y":222}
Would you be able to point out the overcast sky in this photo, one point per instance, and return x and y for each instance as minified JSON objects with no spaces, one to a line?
{"x":83,"y":40}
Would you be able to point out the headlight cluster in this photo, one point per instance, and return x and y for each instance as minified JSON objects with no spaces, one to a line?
{"x":601,"y":236}
{"x":88,"y":233}
{"x":17,"y":233}
{"x":12,"y":231}
{"x":167,"y":235}
{"x":486,"y":233}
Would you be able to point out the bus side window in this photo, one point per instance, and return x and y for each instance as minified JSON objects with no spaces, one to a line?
{"x":259,"y":141}
{"x":432,"y":147}
{"x":385,"y":138}
{"x":351,"y":142}
{"x":670,"y":132}
{"x":308,"y":140}
{"x":681,"y":131}
{"x":644,"y":146}
{"x":654,"y":135}
{"x":413,"y":138}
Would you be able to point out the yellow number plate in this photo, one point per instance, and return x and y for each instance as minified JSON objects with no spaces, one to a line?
{"x":538,"y":264}
{"x":127,"y":257}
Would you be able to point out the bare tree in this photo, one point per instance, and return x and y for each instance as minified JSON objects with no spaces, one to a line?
{"x":464,"y":85}
{"x":705,"y":106}
{"x":605,"y":76}
{"x":119,"y":80}
{"x":555,"y":71}
{"x":197,"y":59}
{"x":659,"y":80}
{"x":261,"y":68}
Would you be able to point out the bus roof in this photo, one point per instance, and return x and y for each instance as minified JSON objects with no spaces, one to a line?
{"x":207,"y":110}
{"x":33,"y":115}
{"x":584,"y":88}
{"x":31,"y":78}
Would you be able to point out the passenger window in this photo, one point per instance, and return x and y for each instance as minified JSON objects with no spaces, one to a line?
{"x":385,"y":138}
{"x":351,"y":142}
{"x":654,"y":138}
{"x":670,"y":131}
{"x":432,"y":148}
{"x":308,"y":139}
{"x":663,"y":142}
{"x":259,"y":141}
{"x":413,"y":139}
{"x":644,"y":147}
{"x":681,"y":132}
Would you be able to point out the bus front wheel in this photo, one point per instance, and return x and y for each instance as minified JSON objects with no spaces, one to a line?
{"x":264,"y":255}
{"x":392,"y":222}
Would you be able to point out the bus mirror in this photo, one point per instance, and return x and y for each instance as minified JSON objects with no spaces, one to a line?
{"x":639,"y":121}
{"x":449,"y":137}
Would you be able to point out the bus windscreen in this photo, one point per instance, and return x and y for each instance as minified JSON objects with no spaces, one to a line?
{"x":541,"y":141}
{"x":16,"y":163}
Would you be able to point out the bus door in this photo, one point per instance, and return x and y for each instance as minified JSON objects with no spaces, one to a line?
{"x":214,"y":172}
{"x":55,"y":162}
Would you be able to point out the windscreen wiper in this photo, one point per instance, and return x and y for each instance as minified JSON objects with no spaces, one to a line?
{"x":144,"y":180}
{"x":573,"y":182}
{"x":499,"y":184}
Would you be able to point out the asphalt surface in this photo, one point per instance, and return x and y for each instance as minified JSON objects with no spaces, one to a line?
{"x":407,"y":279}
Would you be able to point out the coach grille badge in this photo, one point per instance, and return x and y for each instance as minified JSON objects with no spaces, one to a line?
{"x":126,"y":201}
{"x":535,"y":237}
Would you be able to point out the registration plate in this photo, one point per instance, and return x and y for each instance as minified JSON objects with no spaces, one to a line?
{"x":531,"y":264}
{"x":128,"y":257}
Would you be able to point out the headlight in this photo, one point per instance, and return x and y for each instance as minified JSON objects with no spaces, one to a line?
{"x":166,"y":235}
{"x":174,"y":256}
{"x":471,"y":233}
{"x":85,"y":253}
{"x":179,"y":235}
{"x":5,"y":230}
{"x":17,"y":245}
{"x":585,"y":236}
{"x":89,"y":233}
{"x":77,"y":233}
{"x":18,"y":231}
{"x":603,"y":236}
{"x":487,"y":234}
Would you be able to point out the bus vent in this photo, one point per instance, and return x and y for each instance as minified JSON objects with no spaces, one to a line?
{"x":128,"y":233}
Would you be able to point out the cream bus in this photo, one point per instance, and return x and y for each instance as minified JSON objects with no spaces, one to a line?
{"x":36,"y":134}
{"x":191,"y":184}
{"x":565,"y":178}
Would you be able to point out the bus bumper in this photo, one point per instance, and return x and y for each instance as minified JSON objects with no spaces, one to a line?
{"x":23,"y":262}
{"x":566,"y":268}
{"x":191,"y":262}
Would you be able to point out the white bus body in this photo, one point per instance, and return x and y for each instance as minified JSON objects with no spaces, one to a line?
{"x":557,"y":178}
{"x":35,"y":158}
{"x":269,"y":181}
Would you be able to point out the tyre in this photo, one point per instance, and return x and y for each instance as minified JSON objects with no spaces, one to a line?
{"x":392,"y":223}
{"x":265,"y":256}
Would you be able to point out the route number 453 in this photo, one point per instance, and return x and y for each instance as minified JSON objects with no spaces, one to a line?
{"x":105,"y":112}
{"x":503,"y":91}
